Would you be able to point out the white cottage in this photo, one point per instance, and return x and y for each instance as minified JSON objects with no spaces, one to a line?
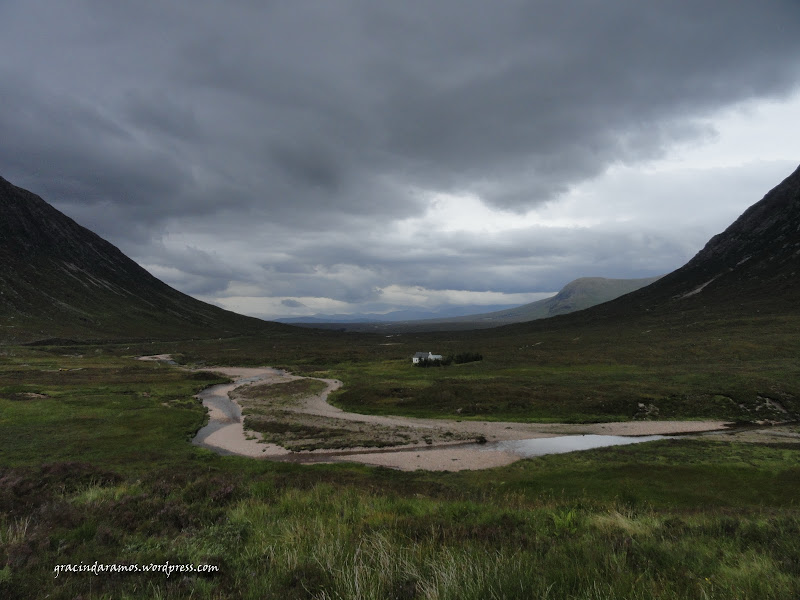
{"x":425,"y":356}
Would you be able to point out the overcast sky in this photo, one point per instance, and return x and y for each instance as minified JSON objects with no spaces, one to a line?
{"x":294,"y":157}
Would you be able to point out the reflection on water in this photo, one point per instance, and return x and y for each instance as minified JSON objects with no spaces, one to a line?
{"x":567,"y":443}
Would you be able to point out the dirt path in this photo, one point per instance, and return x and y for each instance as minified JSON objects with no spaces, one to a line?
{"x":225,"y":432}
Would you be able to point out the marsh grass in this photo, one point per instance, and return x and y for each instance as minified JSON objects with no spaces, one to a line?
{"x":298,"y":431}
{"x":14,"y":531}
{"x":91,"y":406}
{"x":570,"y":393}
{"x":280,"y":394}
{"x":337,"y":541}
{"x":100,"y":469}
{"x":696,"y":363}
{"x":269,"y":410}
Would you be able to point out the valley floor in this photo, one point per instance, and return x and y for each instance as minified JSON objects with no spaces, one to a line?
{"x":416,"y":443}
{"x":96,"y":466}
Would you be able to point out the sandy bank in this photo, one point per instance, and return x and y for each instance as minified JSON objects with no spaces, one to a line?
{"x":225,"y":432}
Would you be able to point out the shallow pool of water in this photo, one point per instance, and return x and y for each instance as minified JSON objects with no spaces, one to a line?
{"x":567,"y":443}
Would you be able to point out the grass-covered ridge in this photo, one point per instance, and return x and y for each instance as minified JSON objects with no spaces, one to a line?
{"x":571,"y":393}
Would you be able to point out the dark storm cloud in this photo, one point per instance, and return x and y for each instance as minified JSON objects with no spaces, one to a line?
{"x":515,"y":99}
{"x":546,"y":94}
{"x":148,"y":119}
{"x":72,"y":154}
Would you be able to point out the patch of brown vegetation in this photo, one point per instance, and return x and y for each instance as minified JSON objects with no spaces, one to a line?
{"x":275,"y":409}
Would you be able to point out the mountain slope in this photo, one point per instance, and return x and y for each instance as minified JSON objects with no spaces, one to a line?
{"x":749,"y":269}
{"x":58,"y":279}
{"x":752,"y":264}
{"x":576,"y":295}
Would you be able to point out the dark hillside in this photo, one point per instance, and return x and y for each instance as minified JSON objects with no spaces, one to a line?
{"x":748,"y":270}
{"x":60,"y":280}
{"x":752,"y":264}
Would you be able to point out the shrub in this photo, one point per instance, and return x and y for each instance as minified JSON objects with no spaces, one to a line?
{"x":424,"y":363}
{"x":466,"y":357}
{"x":461,"y":358}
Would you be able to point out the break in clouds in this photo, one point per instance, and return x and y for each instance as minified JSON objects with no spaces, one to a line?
{"x":287,"y":158}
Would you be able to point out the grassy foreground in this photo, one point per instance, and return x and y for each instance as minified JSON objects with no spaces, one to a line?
{"x":95,"y":466}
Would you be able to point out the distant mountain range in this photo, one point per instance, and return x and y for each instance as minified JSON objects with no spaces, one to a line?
{"x":577,"y":295}
{"x":58,"y":279}
{"x":395,"y":315}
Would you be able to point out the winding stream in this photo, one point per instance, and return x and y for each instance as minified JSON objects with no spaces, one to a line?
{"x":568,"y":443}
{"x":225,"y":432}
{"x":508,"y":442}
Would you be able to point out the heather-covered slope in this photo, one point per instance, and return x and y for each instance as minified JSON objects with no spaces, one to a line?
{"x":759,"y":251}
{"x":751,"y":266}
{"x":60,"y":280}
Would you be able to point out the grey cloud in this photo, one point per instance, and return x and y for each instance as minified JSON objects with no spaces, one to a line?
{"x":351,"y":267}
{"x":194,"y":270}
{"x":309,"y":165}
{"x":306,"y":127}
{"x":572,"y":85}
{"x":292,"y":303}
{"x":162,"y":114}
{"x":72,"y":153}
{"x":536,"y":259}
{"x":515,"y":100}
